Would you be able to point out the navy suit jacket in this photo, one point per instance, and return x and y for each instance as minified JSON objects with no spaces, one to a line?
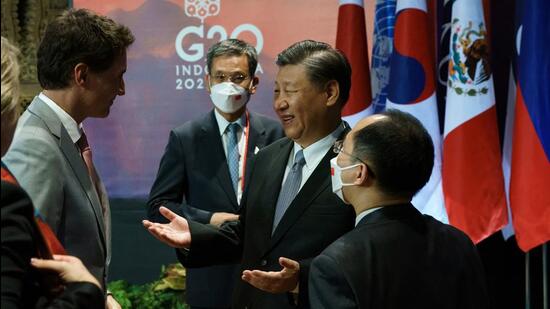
{"x":194,"y":181}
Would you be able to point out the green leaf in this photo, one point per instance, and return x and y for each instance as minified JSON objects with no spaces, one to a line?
{"x":458,"y":90}
{"x":471,"y":92}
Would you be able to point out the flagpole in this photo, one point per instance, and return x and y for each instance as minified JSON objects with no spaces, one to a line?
{"x":544,"y":276}
{"x":527,"y":283}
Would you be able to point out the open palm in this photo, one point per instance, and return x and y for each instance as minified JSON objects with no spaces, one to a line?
{"x":175,"y":233}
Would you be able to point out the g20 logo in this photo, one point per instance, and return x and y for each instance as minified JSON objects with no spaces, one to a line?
{"x":190,"y":75}
{"x":196,"y":51}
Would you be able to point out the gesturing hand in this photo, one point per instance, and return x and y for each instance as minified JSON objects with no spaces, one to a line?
{"x":282,"y":281}
{"x":175,"y":233}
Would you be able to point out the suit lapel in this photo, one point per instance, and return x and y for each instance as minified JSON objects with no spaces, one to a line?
{"x":271,"y":188}
{"x":256,"y":139}
{"x":72,"y":154}
{"x":316,"y":183}
{"x":211,"y":139}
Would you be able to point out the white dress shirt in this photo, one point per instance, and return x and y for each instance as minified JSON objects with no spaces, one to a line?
{"x":241,"y":133}
{"x":68,"y":122}
{"x":313,"y":154}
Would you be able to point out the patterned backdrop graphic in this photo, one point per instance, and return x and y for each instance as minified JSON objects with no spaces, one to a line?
{"x":166,"y":65}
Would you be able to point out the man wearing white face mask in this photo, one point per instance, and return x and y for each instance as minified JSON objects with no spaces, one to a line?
{"x":395,"y":257}
{"x":207,"y":162}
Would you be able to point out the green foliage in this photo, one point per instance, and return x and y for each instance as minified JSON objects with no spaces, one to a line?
{"x":167,"y":292}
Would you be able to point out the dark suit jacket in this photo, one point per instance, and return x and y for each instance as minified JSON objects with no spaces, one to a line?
{"x":398,"y":258}
{"x":313,"y":220}
{"x":193,"y":180}
{"x":20,"y":283}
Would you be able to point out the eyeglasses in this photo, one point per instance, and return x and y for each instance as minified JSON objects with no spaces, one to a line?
{"x":338,"y":147}
{"x":236,"y":78}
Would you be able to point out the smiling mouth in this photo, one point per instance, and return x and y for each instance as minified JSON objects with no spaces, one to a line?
{"x":286,"y":119}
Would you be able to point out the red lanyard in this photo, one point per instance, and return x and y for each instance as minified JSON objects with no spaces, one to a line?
{"x":245,"y":151}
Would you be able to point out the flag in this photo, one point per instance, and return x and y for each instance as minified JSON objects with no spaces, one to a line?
{"x":530,"y":160}
{"x":473,"y":184}
{"x":384,"y":21}
{"x":351,"y":39}
{"x":412,"y":89}
{"x":508,"y":230}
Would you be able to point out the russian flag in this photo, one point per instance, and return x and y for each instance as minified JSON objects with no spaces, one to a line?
{"x":473,"y":183}
{"x":412,"y":89}
{"x":351,"y":39}
{"x":530,"y":161}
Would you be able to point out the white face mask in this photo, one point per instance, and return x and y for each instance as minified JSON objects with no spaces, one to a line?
{"x":336,"y":177}
{"x":228,"y":97}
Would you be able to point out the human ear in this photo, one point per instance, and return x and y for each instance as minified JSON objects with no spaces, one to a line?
{"x":332,"y":90}
{"x":80,"y":73}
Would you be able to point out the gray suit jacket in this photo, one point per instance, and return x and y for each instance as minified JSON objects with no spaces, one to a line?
{"x":48,"y":165}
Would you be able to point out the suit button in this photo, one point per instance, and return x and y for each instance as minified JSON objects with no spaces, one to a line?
{"x":263,"y":262}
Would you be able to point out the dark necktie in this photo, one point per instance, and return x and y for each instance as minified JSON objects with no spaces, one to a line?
{"x":86,"y":152}
{"x":290,"y":188}
{"x":233,"y":154}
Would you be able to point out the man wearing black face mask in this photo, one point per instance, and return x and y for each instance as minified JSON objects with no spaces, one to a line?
{"x":207,"y":161}
{"x":395,"y":257}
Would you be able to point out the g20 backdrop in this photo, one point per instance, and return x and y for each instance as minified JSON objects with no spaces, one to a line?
{"x":166,"y":66}
{"x":474,"y":179}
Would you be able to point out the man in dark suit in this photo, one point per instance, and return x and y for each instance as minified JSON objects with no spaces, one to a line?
{"x":290,"y":213}
{"x":207,"y":163}
{"x":395,"y":257}
{"x":81,"y":62}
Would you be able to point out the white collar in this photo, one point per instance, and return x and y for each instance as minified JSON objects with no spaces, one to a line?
{"x":223,"y":123}
{"x":314,"y":153}
{"x":73,"y":128}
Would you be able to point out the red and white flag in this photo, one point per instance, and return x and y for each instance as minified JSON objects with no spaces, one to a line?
{"x":412,"y":89}
{"x":473,"y":184}
{"x":351,"y":39}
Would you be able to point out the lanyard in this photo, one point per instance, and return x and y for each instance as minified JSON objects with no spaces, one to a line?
{"x":245,"y":151}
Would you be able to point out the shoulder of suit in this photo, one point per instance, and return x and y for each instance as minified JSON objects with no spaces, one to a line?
{"x":274,"y":147}
{"x":193,"y":125}
{"x":345,"y":246}
{"x":447,"y":231}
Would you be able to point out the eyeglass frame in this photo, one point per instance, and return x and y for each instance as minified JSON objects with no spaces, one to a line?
{"x":338,"y":147}
{"x":222,"y":77}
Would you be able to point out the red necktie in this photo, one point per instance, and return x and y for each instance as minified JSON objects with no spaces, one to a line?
{"x":86,"y":152}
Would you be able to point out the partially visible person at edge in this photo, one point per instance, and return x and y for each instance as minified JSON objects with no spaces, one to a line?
{"x":289,"y":213}
{"x":22,"y":274}
{"x":81,"y":62}
{"x":206,"y":166}
{"x":395,"y":257}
